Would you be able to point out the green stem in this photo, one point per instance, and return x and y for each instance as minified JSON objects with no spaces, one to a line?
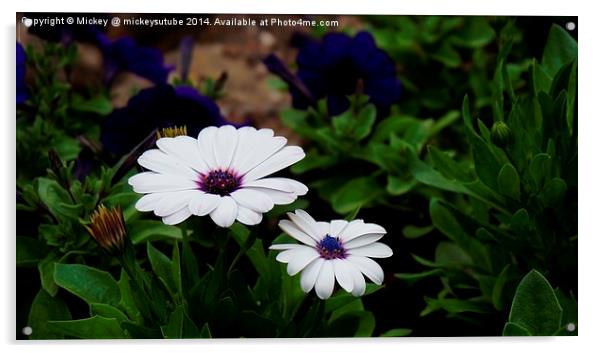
{"x":243,"y":249}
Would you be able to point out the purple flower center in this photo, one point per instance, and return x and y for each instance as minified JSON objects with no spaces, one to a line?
{"x":219,"y":182}
{"x":331,"y":248}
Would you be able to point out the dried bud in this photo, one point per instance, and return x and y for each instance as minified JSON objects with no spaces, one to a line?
{"x":172,"y":132}
{"x":108,"y":228}
{"x":500,"y":134}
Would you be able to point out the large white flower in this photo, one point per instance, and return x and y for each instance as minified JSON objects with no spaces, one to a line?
{"x":221,"y":174}
{"x":339,"y":249}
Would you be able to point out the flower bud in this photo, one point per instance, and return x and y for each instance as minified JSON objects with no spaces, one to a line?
{"x":108,"y":229}
{"x":500,"y":134}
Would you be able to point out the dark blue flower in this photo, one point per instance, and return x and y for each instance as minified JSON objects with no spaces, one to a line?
{"x":22,"y":94}
{"x":124,"y":54}
{"x":337,"y":66}
{"x":158,"y":107}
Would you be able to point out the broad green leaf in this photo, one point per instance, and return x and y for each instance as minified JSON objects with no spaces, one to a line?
{"x":107,"y":311}
{"x":397,"y":332}
{"x":46,"y":270}
{"x":162,"y":267}
{"x":88,"y":283}
{"x":520,"y":222}
{"x":398,"y":186}
{"x":447,"y":55}
{"x":413,"y":232}
{"x":512,"y":329}
{"x":448,"y":167}
{"x":356,"y":193}
{"x":96,"y":327}
{"x":553,"y":192}
{"x":560,"y":49}
{"x":180,"y":325}
{"x":141,"y":231}
{"x":127,"y":301}
{"x":364,"y":122}
{"x":255,"y":252}
{"x":498,"y":289}
{"x":508,"y":182}
{"x":535,"y":306}
{"x":100,"y":105}
{"x":43,"y":309}
{"x":30,"y":251}
{"x":476,"y":32}
{"x":540,"y":168}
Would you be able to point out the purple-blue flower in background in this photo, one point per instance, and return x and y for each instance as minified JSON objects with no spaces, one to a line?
{"x":124,"y":54}
{"x":22,"y":94}
{"x":158,"y":107}
{"x":333,"y":69}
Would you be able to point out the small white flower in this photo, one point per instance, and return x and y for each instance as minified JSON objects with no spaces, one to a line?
{"x":339,"y":249}
{"x":221,"y":174}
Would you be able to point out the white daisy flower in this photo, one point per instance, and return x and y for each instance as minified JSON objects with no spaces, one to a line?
{"x":339,"y":249}
{"x":222,"y":174}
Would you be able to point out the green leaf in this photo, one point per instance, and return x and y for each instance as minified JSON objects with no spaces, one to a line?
{"x":95,"y":327}
{"x":414,"y":232}
{"x":180,"y":325}
{"x":162,"y":267}
{"x":397,"y":186}
{"x":88,"y":283}
{"x":365,"y":120}
{"x":255,"y":253}
{"x":508,"y":182}
{"x":57,"y":199}
{"x":356,"y":193}
{"x":43,"y":309}
{"x":141,"y":231}
{"x":205,"y":331}
{"x":448,"y":167}
{"x":476,"y":32}
{"x":447,"y":55}
{"x":30,"y":251}
{"x":107,"y":311}
{"x":553,"y":192}
{"x":413,"y":277}
{"x":535,"y":306}
{"x":498,"y":289}
{"x":46,"y":270}
{"x":454,"y":306}
{"x":560,"y":49}
{"x":512,"y":329}
{"x":100,"y":105}
{"x":397,"y":332}
{"x":540,"y":168}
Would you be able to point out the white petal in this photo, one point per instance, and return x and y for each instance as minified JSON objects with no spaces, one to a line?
{"x":372,"y":250}
{"x":336,"y":227}
{"x":368,"y":267}
{"x":323,"y":228}
{"x":148,"y":202}
{"x":279,"y":160}
{"x":289,"y":254}
{"x":362,"y":240}
{"x":358,"y":227}
{"x":162,"y":163}
{"x":310,"y":274}
{"x":283,"y":246}
{"x":306,"y":223}
{"x":205,"y":145}
{"x":225,"y":213}
{"x":174,"y":201}
{"x":302,"y":258}
{"x":325,"y":281}
{"x":149,"y":182}
{"x":280,"y":184}
{"x":248,"y":217}
{"x":184,"y":148}
{"x":291,"y":229}
{"x":253,"y":199}
{"x":224,"y":145}
{"x":177,"y":217}
{"x":343,"y":274}
{"x":278,"y":197}
{"x":359,"y":283}
{"x":255,"y":147}
{"x":203,"y":203}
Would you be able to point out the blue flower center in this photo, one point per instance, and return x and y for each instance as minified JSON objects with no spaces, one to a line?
{"x":331,"y":248}
{"x":219,"y":182}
